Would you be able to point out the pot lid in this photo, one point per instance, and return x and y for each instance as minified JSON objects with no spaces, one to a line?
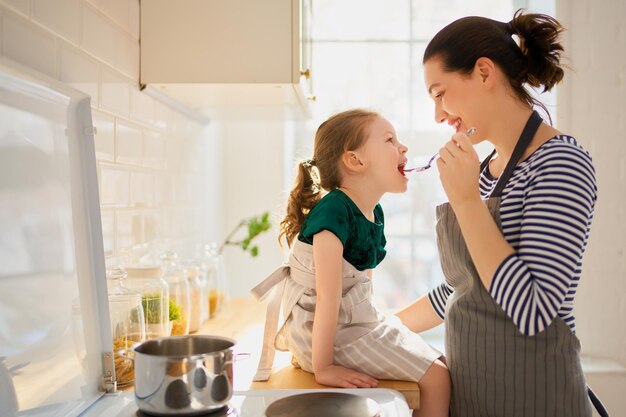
{"x":315,"y":404}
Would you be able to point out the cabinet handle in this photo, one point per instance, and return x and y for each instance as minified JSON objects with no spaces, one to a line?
{"x":305,"y":73}
{"x":312,"y":98}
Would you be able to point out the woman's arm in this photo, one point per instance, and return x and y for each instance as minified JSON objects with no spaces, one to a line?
{"x":459,"y":171}
{"x":420,"y":316}
{"x":328,"y":258}
{"x":532,"y":282}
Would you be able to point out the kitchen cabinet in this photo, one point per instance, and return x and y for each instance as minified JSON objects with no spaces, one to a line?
{"x":230,"y":58}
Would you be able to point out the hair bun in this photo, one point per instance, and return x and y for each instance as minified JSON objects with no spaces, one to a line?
{"x":539,"y":41}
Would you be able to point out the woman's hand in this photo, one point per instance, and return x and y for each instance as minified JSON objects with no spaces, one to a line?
{"x":338,"y":376}
{"x":459,"y":169}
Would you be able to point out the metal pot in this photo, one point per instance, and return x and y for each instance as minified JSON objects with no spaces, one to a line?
{"x":182,"y":375}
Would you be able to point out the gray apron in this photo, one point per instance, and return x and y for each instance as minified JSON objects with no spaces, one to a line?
{"x":495,"y":369}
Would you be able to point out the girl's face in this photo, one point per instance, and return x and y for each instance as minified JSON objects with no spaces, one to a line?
{"x":384,"y":157}
{"x":456,"y":97}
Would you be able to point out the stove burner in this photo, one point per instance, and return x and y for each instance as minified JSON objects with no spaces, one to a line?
{"x":225,"y":411}
{"x":316,"y":404}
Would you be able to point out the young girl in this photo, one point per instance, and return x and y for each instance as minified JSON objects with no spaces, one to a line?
{"x":334,"y":225}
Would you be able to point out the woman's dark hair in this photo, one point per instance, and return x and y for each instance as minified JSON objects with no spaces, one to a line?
{"x":535,"y":61}
{"x":345,"y":131}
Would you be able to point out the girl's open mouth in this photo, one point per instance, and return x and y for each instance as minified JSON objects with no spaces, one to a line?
{"x":401,"y":169}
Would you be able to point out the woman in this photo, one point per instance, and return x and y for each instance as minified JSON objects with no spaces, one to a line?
{"x":512,"y":237}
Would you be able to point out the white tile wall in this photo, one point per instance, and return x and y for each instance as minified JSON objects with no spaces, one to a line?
{"x":98,"y":35}
{"x":60,"y":16}
{"x":93,"y":45}
{"x":79,"y":70}
{"x":117,"y":11}
{"x":127,"y":54}
{"x":129,"y":148}
{"x":129,"y":228}
{"x":142,"y":189}
{"x":28,"y":44}
{"x":153,"y":149}
{"x":22,"y":6}
{"x":141,"y":107}
{"x":114,"y":186}
{"x":164,"y":187}
{"x":115,"y":92}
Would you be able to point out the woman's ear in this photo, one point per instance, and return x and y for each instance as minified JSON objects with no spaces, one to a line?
{"x":351,"y":161}
{"x":485,"y":69}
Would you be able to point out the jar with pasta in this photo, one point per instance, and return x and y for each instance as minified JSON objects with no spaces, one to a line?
{"x":155,"y":297}
{"x":127,"y":324}
{"x":180,"y":305}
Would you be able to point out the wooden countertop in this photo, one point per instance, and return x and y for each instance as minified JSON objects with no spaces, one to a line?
{"x":243,"y":320}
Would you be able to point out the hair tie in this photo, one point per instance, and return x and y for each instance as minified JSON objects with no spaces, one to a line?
{"x":521,"y":41}
{"x":308,"y":163}
{"x":510,"y":29}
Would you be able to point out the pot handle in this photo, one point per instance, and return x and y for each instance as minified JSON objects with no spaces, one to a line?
{"x":236,"y":358}
{"x":126,"y":354}
{"x":241,"y":356}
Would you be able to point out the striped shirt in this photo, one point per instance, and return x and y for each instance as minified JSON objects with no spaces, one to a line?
{"x":546,"y":211}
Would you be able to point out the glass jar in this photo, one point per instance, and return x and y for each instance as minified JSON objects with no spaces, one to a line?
{"x":197,"y":296}
{"x":127,"y":324}
{"x":176,"y":279}
{"x":216,"y":277}
{"x":155,"y":297}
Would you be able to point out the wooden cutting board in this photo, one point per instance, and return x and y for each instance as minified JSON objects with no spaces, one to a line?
{"x":291,"y":377}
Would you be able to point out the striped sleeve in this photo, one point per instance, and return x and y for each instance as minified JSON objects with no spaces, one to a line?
{"x":439,"y":297}
{"x":556,"y":213}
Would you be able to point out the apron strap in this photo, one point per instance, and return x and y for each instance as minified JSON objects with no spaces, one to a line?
{"x":597,"y":404}
{"x":533,"y":123}
{"x":277,"y":281}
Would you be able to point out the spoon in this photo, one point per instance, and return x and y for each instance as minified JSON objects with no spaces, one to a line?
{"x":432,"y":158}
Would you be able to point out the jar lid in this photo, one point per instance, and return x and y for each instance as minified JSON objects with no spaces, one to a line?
{"x":144,"y":271}
{"x":116,"y":289}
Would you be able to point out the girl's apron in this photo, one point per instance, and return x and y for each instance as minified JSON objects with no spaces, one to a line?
{"x":365,"y":340}
{"x":495,"y":369}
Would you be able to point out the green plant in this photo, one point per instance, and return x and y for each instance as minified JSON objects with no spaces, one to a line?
{"x":151,"y":304}
{"x":174,"y":311}
{"x":255,"y":225}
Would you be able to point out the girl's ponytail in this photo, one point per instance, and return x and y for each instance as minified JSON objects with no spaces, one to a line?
{"x":303,"y":196}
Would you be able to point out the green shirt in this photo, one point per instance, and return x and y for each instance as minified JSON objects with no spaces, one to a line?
{"x":363,"y":241}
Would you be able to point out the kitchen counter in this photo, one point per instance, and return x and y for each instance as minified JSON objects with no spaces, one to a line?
{"x":243,"y":320}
